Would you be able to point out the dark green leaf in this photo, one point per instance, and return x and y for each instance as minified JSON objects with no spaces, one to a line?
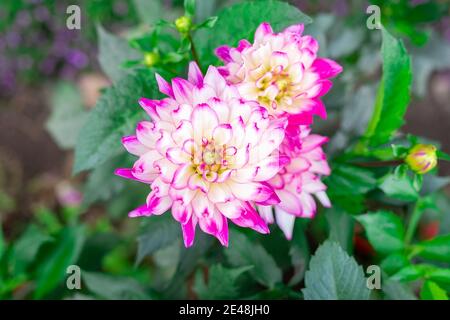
{"x":394,"y":262}
{"x":395,"y":290}
{"x":435,"y":249}
{"x":240,"y":21}
{"x":299,"y":253}
{"x":221,"y":283}
{"x":384,"y":231}
{"x":63,"y":252}
{"x":350,"y":180}
{"x":242,"y":252}
{"x":67,"y":116}
{"x":114,"y":287}
{"x":334,"y":275}
{"x":158,"y":233}
{"x":27,"y":246}
{"x":399,"y":187}
{"x":115,"y":115}
{"x":113,"y":52}
{"x":432,"y":291}
{"x":394,"y":92}
{"x":341,"y":226}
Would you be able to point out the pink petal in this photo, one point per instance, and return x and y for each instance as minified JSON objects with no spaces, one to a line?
{"x":133,"y":146}
{"x":182,"y":90}
{"x":195,"y":75}
{"x":223,"y":52}
{"x":263,"y":30}
{"x":164,"y":86}
{"x":189,"y":231}
{"x":285,"y":221}
{"x":326,"y":68}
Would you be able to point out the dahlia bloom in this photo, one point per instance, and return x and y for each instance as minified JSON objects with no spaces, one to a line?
{"x":297,"y":182}
{"x":206,"y":155}
{"x":281,"y":71}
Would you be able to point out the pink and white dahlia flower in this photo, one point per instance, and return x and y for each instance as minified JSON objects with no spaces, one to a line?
{"x":206,"y":155}
{"x":281,"y":71}
{"x":298,"y":181}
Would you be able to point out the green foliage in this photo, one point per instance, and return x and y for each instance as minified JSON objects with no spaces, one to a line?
{"x":158,"y":233}
{"x":114,"y":288}
{"x":240,"y":22}
{"x":384,"y":230}
{"x":431,"y":291}
{"x":115,"y":115}
{"x":60,"y":254}
{"x":393,"y":94}
{"x":436,"y":249}
{"x":221,"y":283}
{"x":334,"y":275}
{"x":68,"y":115}
{"x":113,"y":51}
{"x":242,"y":252}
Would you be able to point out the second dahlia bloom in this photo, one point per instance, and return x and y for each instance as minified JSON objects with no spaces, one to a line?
{"x":299,"y":180}
{"x":281,"y":71}
{"x":206,"y":155}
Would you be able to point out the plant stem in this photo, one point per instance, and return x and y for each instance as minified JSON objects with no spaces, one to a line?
{"x":413,"y":222}
{"x":361,"y":146}
{"x":194,"y":51}
{"x":376,"y":164}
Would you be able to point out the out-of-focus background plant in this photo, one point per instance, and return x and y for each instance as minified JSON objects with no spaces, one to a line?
{"x":52,"y":77}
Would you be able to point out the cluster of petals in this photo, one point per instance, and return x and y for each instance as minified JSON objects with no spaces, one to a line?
{"x":207,"y":154}
{"x":281,"y":71}
{"x":297,"y":182}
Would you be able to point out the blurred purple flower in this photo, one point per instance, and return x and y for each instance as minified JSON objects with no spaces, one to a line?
{"x":67,"y":195}
{"x":77,"y":58}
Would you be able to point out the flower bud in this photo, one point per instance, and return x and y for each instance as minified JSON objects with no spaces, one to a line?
{"x":422,"y":158}
{"x":183,"y":24}
{"x":151,"y":58}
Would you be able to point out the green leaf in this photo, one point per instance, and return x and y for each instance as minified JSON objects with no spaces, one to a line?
{"x":63,"y":252}
{"x":435,"y":249}
{"x":350,"y":180}
{"x":115,"y":115}
{"x":149,"y":11}
{"x":334,"y":275}
{"x":439,"y":275}
{"x":67,"y":116}
{"x":341,"y":226}
{"x":393,"y":94}
{"x":114,"y":287}
{"x":384,"y":231}
{"x":221,"y":283}
{"x":189,"y":7}
{"x":102,"y":184}
{"x":158,"y":233}
{"x":442,"y":155}
{"x":409,"y":273}
{"x":299,"y":253}
{"x":432,"y":291}
{"x":394,"y":262}
{"x":27,"y":247}
{"x":399,"y":187}
{"x":240,"y":21}
{"x":113,"y":52}
{"x":242,"y":252}
{"x":394,"y":290}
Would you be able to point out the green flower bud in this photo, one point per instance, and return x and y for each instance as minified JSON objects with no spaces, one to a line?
{"x":151,"y":58}
{"x":422,"y":158}
{"x":183,"y":24}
